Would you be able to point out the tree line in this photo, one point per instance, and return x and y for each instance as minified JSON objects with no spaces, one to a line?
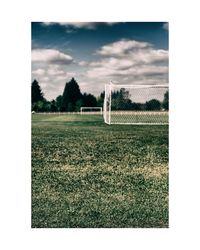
{"x":72,"y":99}
{"x":121,"y":101}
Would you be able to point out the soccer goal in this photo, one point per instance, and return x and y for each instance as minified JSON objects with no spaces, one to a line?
{"x":136,"y":104}
{"x":91,"y":110}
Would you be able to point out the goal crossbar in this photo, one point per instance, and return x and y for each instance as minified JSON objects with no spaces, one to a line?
{"x":91,"y":109}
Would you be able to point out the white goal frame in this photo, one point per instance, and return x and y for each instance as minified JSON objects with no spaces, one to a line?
{"x":91,"y":112}
{"x":107,"y":110}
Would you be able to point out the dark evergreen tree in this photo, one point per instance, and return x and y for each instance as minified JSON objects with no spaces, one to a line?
{"x":79,"y":104}
{"x":53,"y":106}
{"x":70,"y":96}
{"x":89,"y":100}
{"x":59,"y":102}
{"x":36,"y":92}
{"x":165,"y":103}
{"x":100,"y":99}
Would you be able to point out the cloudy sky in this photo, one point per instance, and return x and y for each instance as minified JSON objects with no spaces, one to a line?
{"x":96,"y":53}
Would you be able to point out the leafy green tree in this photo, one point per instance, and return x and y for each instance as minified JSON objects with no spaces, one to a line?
{"x":70,"y":96}
{"x":41,"y":106}
{"x":153,"y":104}
{"x":37,"y":106}
{"x":121,"y":100}
{"x":36,"y":92}
{"x":165,"y":103}
{"x":47,"y":106}
{"x":59,"y":102}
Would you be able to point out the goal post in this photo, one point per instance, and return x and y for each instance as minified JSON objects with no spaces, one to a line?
{"x":136,"y":104}
{"x":91,"y":110}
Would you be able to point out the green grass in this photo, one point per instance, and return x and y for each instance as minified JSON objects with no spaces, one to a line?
{"x":89,"y":174}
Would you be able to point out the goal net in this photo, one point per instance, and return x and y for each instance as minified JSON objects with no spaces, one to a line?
{"x":136,"y":104}
{"x":91,"y":110}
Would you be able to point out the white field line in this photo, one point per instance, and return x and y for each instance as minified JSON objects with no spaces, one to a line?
{"x":137,"y":123}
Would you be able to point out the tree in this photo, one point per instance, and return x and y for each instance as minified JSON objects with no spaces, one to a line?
{"x":59,"y":102}
{"x":89,"y":100}
{"x":153,"y":105}
{"x":36,"y":92}
{"x":53,"y":106}
{"x":41,"y":106}
{"x":78,"y":105}
{"x":165,"y":103}
{"x":121,"y":100}
{"x":100,"y":99}
{"x":70,"y":96}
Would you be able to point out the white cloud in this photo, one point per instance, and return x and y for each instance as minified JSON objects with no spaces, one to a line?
{"x":130,"y":60}
{"x":65,"y":76}
{"x":86,"y":25}
{"x":111,"y":23}
{"x":149,"y":55}
{"x":139,"y":71}
{"x":50,"y":56}
{"x":55,"y":72}
{"x":113,"y":63}
{"x":45,"y":79}
{"x":83,"y":63}
{"x":38,"y":72}
{"x":122,"y":47}
{"x":124,"y":61}
{"x":166,"y":26}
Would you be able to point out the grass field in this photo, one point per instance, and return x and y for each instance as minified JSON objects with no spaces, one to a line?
{"x":89,"y":174}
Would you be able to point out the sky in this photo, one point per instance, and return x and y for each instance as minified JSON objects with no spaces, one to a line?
{"x":95,"y":53}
